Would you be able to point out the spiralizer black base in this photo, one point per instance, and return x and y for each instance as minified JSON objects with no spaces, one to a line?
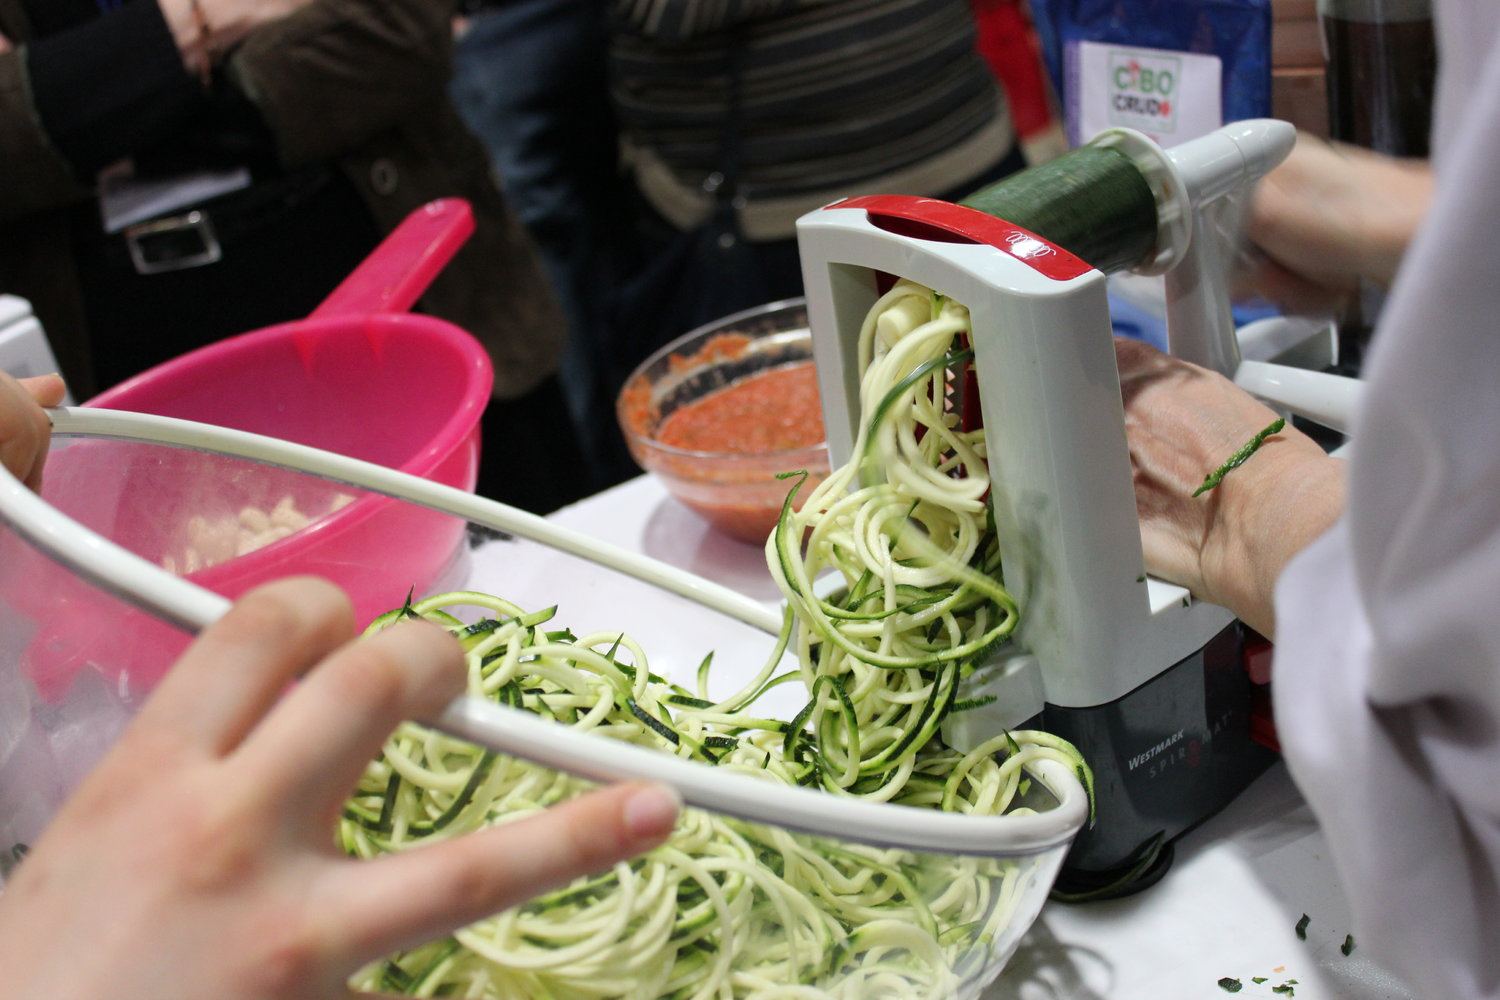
{"x":1166,"y":756}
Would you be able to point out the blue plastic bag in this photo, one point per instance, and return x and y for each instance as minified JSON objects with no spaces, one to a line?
{"x":1090,"y":48}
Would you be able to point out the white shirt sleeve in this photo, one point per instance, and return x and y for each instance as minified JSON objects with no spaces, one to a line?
{"x":1387,"y":685}
{"x":1417,"y":856}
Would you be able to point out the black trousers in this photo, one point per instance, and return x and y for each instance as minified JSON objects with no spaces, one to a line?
{"x":285,"y":247}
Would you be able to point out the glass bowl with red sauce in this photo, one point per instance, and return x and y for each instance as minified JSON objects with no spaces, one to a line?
{"x":719,"y":412}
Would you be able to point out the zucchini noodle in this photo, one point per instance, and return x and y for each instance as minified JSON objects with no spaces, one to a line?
{"x":728,"y":908}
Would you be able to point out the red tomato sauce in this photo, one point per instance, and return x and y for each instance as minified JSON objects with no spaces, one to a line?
{"x":771,"y":411}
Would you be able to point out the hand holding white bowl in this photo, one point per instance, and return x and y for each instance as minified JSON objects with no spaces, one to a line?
{"x":198,"y":860}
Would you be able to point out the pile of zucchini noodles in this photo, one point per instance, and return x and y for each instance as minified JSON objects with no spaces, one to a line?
{"x":728,"y":908}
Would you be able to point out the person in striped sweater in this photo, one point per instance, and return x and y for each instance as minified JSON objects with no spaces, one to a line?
{"x":738,"y":116}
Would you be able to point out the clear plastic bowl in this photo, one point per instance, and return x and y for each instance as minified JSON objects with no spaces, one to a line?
{"x":971,"y":886}
{"x":874,"y":922}
{"x":736,"y":492}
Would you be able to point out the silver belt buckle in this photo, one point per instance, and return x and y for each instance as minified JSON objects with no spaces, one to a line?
{"x":175,"y":243}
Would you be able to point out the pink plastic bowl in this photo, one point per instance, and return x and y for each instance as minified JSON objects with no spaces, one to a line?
{"x":360,"y":377}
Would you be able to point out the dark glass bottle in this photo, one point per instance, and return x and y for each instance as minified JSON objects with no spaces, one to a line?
{"x":1382,"y":66}
{"x":1382,"y":72}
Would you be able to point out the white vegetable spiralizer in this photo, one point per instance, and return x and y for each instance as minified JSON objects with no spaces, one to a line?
{"x":1145,"y":680}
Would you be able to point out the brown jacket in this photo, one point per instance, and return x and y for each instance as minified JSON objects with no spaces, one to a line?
{"x":358,"y":82}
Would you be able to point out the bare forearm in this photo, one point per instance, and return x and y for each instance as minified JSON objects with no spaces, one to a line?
{"x":1399,"y":193}
{"x":1330,"y":216}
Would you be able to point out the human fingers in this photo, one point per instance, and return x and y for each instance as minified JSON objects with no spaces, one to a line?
{"x":1172,"y":537}
{"x":236,"y":670}
{"x":310,"y":751}
{"x":1135,"y":356}
{"x":1183,"y":407}
{"x":24,"y":432}
{"x":400,"y":900}
{"x":1333,"y":214}
{"x":1181,"y":422}
{"x":47,"y":390}
{"x":1143,"y":368}
{"x":1296,"y":293}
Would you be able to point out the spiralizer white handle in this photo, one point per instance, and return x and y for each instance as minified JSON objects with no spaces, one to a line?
{"x":1200,"y":325}
{"x":1212,"y":174}
{"x":1330,"y":400}
{"x":1231,"y":158}
{"x":1206,"y":171}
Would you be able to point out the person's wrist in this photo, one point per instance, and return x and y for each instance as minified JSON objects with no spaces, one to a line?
{"x":1269,"y":510}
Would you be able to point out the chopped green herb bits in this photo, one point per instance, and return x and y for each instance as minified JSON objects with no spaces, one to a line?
{"x":1348,"y":946}
{"x":1302,"y":927}
{"x":1230,"y":985}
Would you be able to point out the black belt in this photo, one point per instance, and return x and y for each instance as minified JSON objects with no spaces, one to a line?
{"x":196,"y":236}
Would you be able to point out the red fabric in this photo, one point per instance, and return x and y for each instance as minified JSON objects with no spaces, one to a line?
{"x":1009,"y":46}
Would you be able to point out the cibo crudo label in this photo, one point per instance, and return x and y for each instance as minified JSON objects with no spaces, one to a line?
{"x":1170,"y":96}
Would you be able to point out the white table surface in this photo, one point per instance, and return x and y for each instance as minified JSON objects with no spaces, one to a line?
{"x":1228,"y":907}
